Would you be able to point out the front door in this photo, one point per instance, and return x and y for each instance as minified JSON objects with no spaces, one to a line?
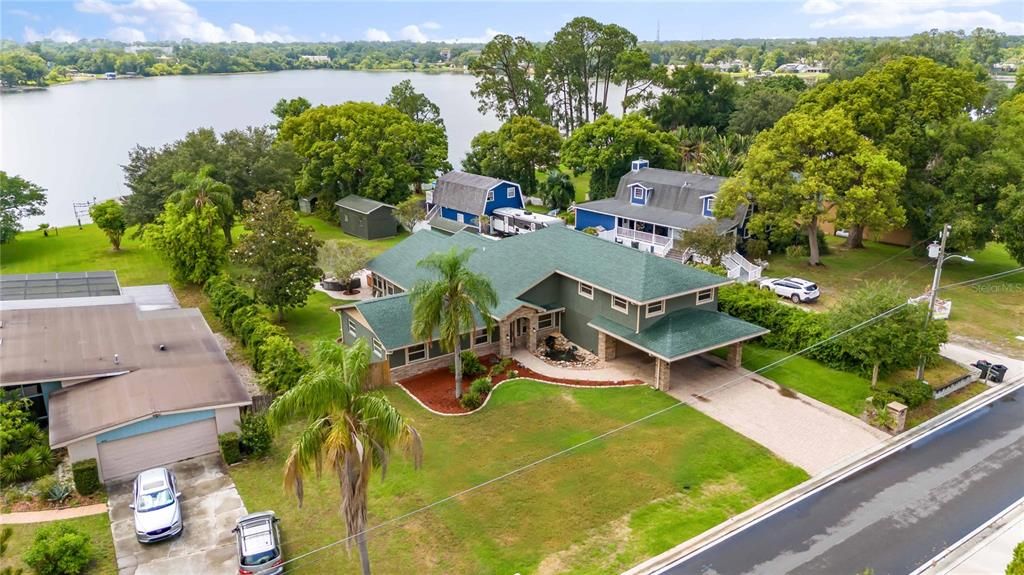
{"x":520,"y":331}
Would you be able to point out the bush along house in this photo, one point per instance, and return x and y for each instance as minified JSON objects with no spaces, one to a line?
{"x":607,"y":298}
{"x":653,"y":207}
{"x":487,"y":205}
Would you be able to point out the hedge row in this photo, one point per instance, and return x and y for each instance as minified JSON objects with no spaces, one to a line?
{"x":274,"y":356}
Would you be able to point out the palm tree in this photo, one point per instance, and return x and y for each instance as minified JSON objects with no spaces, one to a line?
{"x":350,"y":430}
{"x":196,"y":191}
{"x":694,"y":143}
{"x":447,"y":305}
{"x":558,"y":190}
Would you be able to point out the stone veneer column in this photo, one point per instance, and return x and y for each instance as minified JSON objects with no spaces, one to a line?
{"x":662,"y":374}
{"x":531,"y":338}
{"x":735,"y":357}
{"x":505,"y":347}
{"x":606,"y":346}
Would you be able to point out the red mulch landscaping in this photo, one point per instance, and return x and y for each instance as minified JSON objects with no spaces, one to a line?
{"x":436,"y":389}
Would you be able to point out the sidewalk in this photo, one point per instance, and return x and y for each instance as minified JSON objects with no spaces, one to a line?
{"x":968,"y":355}
{"x":52,"y":514}
{"x":988,"y":550}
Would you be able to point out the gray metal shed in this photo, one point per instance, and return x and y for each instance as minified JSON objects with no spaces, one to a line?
{"x":366,"y":218}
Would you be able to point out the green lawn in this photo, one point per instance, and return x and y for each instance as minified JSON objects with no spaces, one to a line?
{"x":842,"y":390}
{"x":601,"y":509}
{"x":313,"y":321}
{"x":934,"y":407}
{"x":325,"y":230}
{"x":993,"y":312}
{"x":96,"y":526}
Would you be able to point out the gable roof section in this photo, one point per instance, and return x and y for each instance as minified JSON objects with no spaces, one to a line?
{"x":448,"y":226}
{"x":683,"y":333}
{"x":360,"y":204}
{"x":463,"y":191}
{"x":390,"y":319}
{"x":675,"y":201}
{"x":516,"y":264}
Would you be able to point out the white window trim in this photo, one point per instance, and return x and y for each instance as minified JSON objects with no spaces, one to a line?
{"x":649,"y":313}
{"x":379,"y":349}
{"x":705,"y":295}
{"x":511,"y":192}
{"x":351,"y":326}
{"x":548,"y":317}
{"x":623,"y":300}
{"x":481,"y":333}
{"x":588,"y":287}
{"x":490,"y":195}
{"x":409,"y":349}
{"x":642,"y":193}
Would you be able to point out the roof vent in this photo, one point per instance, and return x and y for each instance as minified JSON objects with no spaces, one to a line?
{"x":117,"y":359}
{"x":163,"y":347}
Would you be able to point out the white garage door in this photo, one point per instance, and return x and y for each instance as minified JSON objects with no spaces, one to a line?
{"x":126,"y":457}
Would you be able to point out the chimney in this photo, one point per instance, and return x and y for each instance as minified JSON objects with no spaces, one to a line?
{"x":639,"y":164}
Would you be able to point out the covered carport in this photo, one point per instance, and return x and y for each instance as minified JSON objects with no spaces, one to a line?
{"x":679,"y":335}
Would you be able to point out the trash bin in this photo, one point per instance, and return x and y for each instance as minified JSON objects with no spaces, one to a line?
{"x":984,"y":367}
{"x":996,"y":373}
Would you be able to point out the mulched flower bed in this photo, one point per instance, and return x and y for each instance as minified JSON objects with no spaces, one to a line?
{"x":436,"y":389}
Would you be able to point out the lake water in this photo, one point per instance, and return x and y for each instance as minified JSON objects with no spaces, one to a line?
{"x":73,"y":139}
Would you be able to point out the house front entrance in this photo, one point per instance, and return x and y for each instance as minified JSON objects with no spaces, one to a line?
{"x":520,"y":333}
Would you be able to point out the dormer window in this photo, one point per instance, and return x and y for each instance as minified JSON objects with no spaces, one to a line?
{"x":708,"y":203}
{"x":490,"y":195}
{"x":638,"y":195}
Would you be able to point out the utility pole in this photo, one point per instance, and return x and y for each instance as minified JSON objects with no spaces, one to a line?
{"x":935,"y":288}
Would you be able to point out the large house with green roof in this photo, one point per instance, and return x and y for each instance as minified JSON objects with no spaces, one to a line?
{"x":604,"y":297}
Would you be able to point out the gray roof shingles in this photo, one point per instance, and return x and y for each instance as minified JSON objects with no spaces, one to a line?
{"x":463,"y":191}
{"x":360,"y":204}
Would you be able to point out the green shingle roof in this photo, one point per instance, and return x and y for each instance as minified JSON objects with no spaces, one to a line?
{"x":391,"y":317}
{"x":516,"y":264}
{"x":683,"y":333}
{"x":360,"y":204}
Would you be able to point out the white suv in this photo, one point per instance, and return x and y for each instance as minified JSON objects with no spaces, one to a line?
{"x":795,"y":289}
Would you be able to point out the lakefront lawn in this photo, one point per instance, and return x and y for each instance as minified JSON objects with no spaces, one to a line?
{"x":600,"y":509}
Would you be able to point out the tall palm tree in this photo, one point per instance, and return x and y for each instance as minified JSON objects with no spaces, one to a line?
{"x":447,"y":304}
{"x":201,"y":189}
{"x":694,"y":143}
{"x":558,"y":190}
{"x":350,"y":430}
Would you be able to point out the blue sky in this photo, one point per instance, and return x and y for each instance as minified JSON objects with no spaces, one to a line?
{"x":148,"y":20}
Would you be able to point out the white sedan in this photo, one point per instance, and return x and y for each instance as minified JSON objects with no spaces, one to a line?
{"x":795,"y":289}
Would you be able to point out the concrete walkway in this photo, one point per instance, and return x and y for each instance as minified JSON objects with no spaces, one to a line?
{"x":52,"y":514}
{"x":628,"y":369}
{"x":797,"y":428}
{"x":967,"y":355}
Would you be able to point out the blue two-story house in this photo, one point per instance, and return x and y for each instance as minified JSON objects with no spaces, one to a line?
{"x":653,"y":207}
{"x":463,"y":197}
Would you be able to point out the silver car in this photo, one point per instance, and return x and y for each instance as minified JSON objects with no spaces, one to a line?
{"x":155,"y":502}
{"x":258,"y":541}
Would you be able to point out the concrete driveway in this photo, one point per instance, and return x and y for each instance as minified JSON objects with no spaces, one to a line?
{"x":801,"y":430}
{"x":210,"y":505}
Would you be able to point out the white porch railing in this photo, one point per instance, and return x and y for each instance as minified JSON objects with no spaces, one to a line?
{"x":628,"y":234}
{"x":739,"y":267}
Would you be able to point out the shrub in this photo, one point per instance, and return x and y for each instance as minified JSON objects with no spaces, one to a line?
{"x":255,"y":438}
{"x":59,"y":549}
{"x":240,"y":316}
{"x":25,"y":447}
{"x":1016,"y":566}
{"x":471,"y":365}
{"x":912,"y":393}
{"x":796,"y":237}
{"x":226,"y":297}
{"x":757,"y":249}
{"x":87,"y":476}
{"x":481,"y":386}
{"x":43,"y":484}
{"x":57,"y":493}
{"x":883,"y":398}
{"x":797,"y":251}
{"x":229,"y":447}
{"x":500,"y":367}
{"x":282,"y":364}
{"x":591,"y":231}
{"x":471,"y":400}
{"x":262,"y":330}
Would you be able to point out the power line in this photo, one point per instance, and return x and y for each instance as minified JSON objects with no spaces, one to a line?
{"x":626,"y":426}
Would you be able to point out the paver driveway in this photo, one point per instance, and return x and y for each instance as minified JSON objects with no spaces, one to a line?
{"x":801,"y":430}
{"x":210,"y":505}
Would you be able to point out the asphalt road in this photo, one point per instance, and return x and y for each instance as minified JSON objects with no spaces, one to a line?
{"x":894,"y":515}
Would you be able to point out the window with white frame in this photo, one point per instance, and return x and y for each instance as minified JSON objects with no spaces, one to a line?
{"x":655,"y":308}
{"x":379,"y":349}
{"x":490,"y":195}
{"x":705,"y":295}
{"x":638,"y":193}
{"x":416,"y":353}
{"x":544,"y":321}
{"x":620,"y":304}
{"x":351,"y":327}
{"x":511,"y":192}
{"x":586,"y":290}
{"x":481,"y":337}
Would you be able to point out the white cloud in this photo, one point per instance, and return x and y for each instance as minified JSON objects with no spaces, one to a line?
{"x":57,"y":35}
{"x":175,"y":20}
{"x":375,"y":35}
{"x":24,"y":14}
{"x":488,"y":34}
{"x":412,"y":32}
{"x":127,"y":35}
{"x":430,"y":25}
{"x":330,"y":37}
{"x":917,"y":14}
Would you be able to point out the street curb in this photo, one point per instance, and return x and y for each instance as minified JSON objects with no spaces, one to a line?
{"x":954,"y":555}
{"x":819,"y":482}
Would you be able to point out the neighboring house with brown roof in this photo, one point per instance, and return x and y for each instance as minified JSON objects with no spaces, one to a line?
{"x":132,"y":383}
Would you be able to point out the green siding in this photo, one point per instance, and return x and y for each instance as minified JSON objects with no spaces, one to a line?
{"x":375,"y":225}
{"x":678,"y":303}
